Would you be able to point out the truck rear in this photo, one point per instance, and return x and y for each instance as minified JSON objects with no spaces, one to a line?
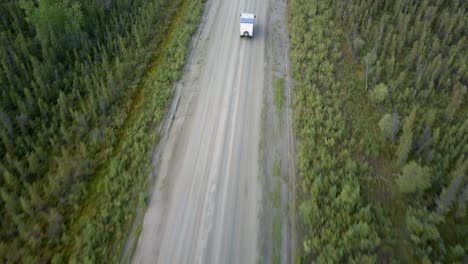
{"x":247,"y":25}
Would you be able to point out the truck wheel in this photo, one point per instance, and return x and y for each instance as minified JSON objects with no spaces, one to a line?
{"x":246,"y":34}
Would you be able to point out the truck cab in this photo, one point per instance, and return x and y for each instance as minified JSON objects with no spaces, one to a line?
{"x":247,"y":25}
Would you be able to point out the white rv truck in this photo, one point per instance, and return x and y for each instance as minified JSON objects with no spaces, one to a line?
{"x":247,"y":25}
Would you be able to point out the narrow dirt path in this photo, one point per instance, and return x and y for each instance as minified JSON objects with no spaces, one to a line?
{"x":204,"y":208}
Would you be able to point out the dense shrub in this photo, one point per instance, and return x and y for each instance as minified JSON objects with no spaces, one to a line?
{"x":359,"y":65}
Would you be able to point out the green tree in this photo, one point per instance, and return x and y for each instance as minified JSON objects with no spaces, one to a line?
{"x":406,"y":139}
{"x":462,"y":202}
{"x":57,"y":22}
{"x":358,"y":43}
{"x":413,"y":179}
{"x":424,"y":237}
{"x":456,"y":254}
{"x":379,"y":93}
{"x":369,"y":59}
{"x":389,"y":124}
{"x":457,"y":98}
{"x":449,"y":194}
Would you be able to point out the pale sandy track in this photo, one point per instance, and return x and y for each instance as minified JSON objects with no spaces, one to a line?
{"x":204,"y":208}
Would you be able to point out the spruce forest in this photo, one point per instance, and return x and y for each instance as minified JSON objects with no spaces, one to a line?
{"x":77,"y":120}
{"x":381,"y":117}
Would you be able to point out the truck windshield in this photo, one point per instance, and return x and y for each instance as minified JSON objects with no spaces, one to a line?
{"x":247,"y":20}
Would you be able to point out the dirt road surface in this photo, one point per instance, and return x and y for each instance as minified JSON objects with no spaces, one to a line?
{"x":204,"y":208}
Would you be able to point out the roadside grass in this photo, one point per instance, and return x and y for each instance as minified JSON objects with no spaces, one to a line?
{"x":275,"y":196}
{"x":120,"y":185}
{"x":278,"y":85}
{"x":277,"y":237}
{"x":277,"y":222}
{"x":261,"y":146}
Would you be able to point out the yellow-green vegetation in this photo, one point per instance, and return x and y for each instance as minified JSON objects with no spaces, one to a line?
{"x":275,"y":195}
{"x":78,"y":120}
{"x":276,"y":237}
{"x":277,"y":217}
{"x":382,"y":122}
{"x":279,"y":93}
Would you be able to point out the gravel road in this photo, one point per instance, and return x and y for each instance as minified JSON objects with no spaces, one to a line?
{"x":204,"y":208}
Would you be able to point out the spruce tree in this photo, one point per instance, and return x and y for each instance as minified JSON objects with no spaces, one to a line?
{"x":406,"y":139}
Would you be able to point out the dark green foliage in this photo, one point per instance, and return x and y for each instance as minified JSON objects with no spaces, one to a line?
{"x":462,"y":203}
{"x":456,"y":253}
{"x":418,"y":50}
{"x":457,"y":99}
{"x":424,"y":237}
{"x":447,"y":199}
{"x":58,"y":24}
{"x":406,"y":139}
{"x":70,"y":76}
{"x":357,"y":45}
